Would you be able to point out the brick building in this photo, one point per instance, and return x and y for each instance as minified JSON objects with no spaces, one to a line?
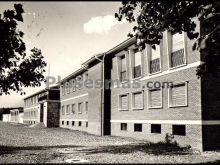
{"x":43,"y":106}
{"x":184,"y":105}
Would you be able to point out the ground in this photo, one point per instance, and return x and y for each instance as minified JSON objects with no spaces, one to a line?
{"x":22,"y":144}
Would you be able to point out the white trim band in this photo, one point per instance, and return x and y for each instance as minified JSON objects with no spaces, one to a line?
{"x":72,"y":98}
{"x":31,"y":107}
{"x":73,"y":119}
{"x":191,"y":122}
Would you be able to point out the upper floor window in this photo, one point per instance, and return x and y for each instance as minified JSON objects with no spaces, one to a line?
{"x":137,"y":71}
{"x":73,"y":85}
{"x":178,"y":95}
{"x":68,"y":87}
{"x":73,"y":109}
{"x":63,"y":89}
{"x":177,"y":57}
{"x":80,"y":108}
{"x":155,"y":60}
{"x":63,"y":110}
{"x":86,"y":106}
{"x":122,"y":68}
{"x":67,"y":109}
{"x":86,"y":76}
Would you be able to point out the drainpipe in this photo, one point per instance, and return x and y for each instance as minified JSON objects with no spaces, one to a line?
{"x":103,"y":91}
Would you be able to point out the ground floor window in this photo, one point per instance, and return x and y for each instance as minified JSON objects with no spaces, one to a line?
{"x":73,"y":123}
{"x":155,"y":128}
{"x":137,"y":127}
{"x":80,"y":123}
{"x":67,"y":122}
{"x":179,"y":130}
{"x":123,"y":126}
{"x":62,"y":122}
{"x":87,"y":124}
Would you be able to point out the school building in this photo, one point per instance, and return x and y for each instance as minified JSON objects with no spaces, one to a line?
{"x":188,"y":108}
{"x":43,"y":107}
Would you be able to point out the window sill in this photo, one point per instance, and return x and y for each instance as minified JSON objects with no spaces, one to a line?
{"x":123,"y":110}
{"x":177,"y":106}
{"x":151,"y":74}
{"x":160,"y":107}
{"x":137,"y":109}
{"x":177,"y":66}
{"x":137,"y":78}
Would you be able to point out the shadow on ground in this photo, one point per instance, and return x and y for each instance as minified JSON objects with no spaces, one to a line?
{"x":14,"y":149}
{"x":149,"y":148}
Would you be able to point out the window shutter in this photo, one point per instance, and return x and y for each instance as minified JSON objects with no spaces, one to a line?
{"x":138,"y":100}
{"x":178,"y":95}
{"x":177,"y":41}
{"x":124,"y":102}
{"x":123,"y":63}
{"x":155,"y":53}
{"x":155,"y":98}
{"x":137,"y":59}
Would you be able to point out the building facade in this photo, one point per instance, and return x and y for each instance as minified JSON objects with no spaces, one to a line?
{"x":152,"y":93}
{"x":43,"y":106}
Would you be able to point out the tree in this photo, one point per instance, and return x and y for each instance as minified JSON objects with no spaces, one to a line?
{"x":154,"y":17}
{"x":17,"y":70}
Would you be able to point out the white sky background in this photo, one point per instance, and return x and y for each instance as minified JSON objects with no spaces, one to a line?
{"x":68,"y":33}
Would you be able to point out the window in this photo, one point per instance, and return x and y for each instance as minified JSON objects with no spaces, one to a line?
{"x":86,"y":76}
{"x":63,"y":89}
{"x":63,"y":110}
{"x":137,"y":127}
{"x":137,"y":64}
{"x":68,"y":87}
{"x":67,"y":122}
{"x":123,"y":102}
{"x":155,"y":98}
{"x":80,"y":108}
{"x":73,"y":85}
{"x":73,"y":109}
{"x":79,"y":82}
{"x":154,"y":60}
{"x":87,"y":124}
{"x":80,"y":123}
{"x":86,"y":106}
{"x":123,"y":126}
{"x":122,"y":68}
{"x":67,"y":109}
{"x":178,"y":95}
{"x":156,"y":128}
{"x":73,"y":123}
{"x":137,"y":100}
{"x":177,"y":57}
{"x":179,"y":130}
{"x":62,"y":122}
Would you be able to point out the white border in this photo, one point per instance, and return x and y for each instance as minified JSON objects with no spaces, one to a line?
{"x":191,"y":122}
{"x":72,"y":98}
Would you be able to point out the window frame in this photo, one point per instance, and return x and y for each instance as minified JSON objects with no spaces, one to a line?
{"x":170,"y":105}
{"x":153,"y":130}
{"x":73,"y":112}
{"x":149,"y":98}
{"x":119,"y":66}
{"x":132,"y":56}
{"x":141,"y":127}
{"x":122,"y":127}
{"x":169,"y":49}
{"x":132,"y":100}
{"x":67,"y":108}
{"x":119,"y":102}
{"x":80,"y":103}
{"x":178,"y":134}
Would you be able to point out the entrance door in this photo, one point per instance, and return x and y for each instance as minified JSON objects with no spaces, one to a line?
{"x":41,"y":112}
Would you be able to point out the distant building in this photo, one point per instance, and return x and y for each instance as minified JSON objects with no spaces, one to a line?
{"x":16,"y":116}
{"x":13,"y":115}
{"x":43,"y":106}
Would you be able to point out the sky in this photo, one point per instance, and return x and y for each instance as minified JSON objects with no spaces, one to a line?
{"x":68,"y":33}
